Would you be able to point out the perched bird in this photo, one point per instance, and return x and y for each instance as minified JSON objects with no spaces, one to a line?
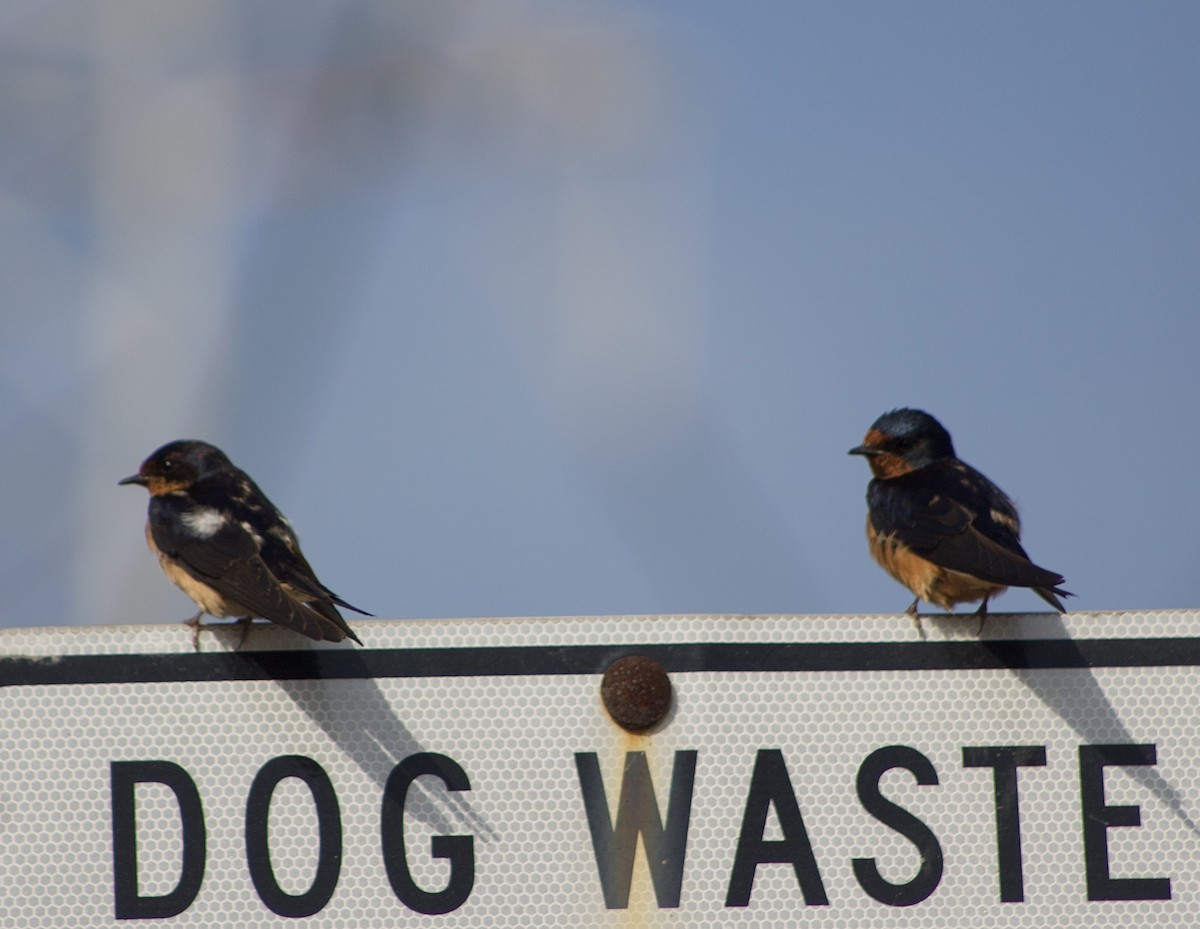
{"x":224,"y":544}
{"x":937,"y":525}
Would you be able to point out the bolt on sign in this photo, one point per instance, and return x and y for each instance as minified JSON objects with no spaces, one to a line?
{"x":742,"y":771}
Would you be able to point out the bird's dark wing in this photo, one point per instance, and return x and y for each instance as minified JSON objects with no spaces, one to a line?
{"x":228,"y":561}
{"x":281,"y":552}
{"x":925,"y":512}
{"x":276,"y":541}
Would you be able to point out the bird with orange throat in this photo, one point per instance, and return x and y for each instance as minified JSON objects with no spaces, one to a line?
{"x":938,"y":526}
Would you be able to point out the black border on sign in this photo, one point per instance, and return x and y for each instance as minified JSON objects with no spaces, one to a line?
{"x":359,"y":664}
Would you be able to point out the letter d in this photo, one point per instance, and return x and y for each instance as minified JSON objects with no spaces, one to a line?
{"x":125,"y":776}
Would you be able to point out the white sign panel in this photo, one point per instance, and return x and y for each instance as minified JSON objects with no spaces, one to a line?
{"x":813,"y":771}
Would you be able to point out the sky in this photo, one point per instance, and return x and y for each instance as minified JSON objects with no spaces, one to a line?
{"x":526,"y":308}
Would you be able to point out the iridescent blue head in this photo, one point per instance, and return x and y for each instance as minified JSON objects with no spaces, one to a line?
{"x":904,"y":440}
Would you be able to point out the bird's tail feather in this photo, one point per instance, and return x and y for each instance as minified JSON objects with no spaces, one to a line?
{"x":1051,"y":595}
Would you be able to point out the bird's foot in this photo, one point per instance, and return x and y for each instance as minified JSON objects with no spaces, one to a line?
{"x":245,"y":622}
{"x":194,"y":622}
{"x":916,"y":618}
{"x":198,"y":627}
{"x":982,"y":613}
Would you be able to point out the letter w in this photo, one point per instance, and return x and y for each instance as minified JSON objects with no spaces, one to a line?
{"x":637,"y":814}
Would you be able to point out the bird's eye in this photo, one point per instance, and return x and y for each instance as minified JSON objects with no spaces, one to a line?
{"x":168,"y":464}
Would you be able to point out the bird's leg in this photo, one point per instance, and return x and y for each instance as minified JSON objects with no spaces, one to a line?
{"x":916,"y":618}
{"x":982,"y":613}
{"x":194,"y":622}
{"x":245,"y":622}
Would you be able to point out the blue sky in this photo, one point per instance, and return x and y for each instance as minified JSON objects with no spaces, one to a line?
{"x":575,"y":308}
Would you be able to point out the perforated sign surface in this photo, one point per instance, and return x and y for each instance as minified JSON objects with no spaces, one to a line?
{"x":817,"y":771}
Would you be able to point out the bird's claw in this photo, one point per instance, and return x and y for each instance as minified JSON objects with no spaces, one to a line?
{"x":194,"y":622}
{"x":982,"y":613}
{"x":245,"y":622}
{"x":912,"y":613}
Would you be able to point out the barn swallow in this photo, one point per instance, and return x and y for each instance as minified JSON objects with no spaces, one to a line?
{"x":937,"y":525}
{"x":224,"y":544}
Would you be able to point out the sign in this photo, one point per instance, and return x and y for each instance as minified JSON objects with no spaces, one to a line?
{"x":813,"y":770}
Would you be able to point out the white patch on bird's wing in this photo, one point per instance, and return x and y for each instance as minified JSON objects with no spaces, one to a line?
{"x":253,"y":532}
{"x":205,"y":522}
{"x":285,"y":535}
{"x":1006,"y":520}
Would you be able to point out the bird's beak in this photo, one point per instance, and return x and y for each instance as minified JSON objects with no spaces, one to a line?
{"x":133,"y":479}
{"x":866,"y":450}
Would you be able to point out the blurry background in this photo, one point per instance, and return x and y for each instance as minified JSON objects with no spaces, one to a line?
{"x":574,"y":307}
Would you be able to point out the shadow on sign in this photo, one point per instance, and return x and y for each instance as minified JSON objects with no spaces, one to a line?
{"x":1076,"y":697}
{"x":377,"y":740}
